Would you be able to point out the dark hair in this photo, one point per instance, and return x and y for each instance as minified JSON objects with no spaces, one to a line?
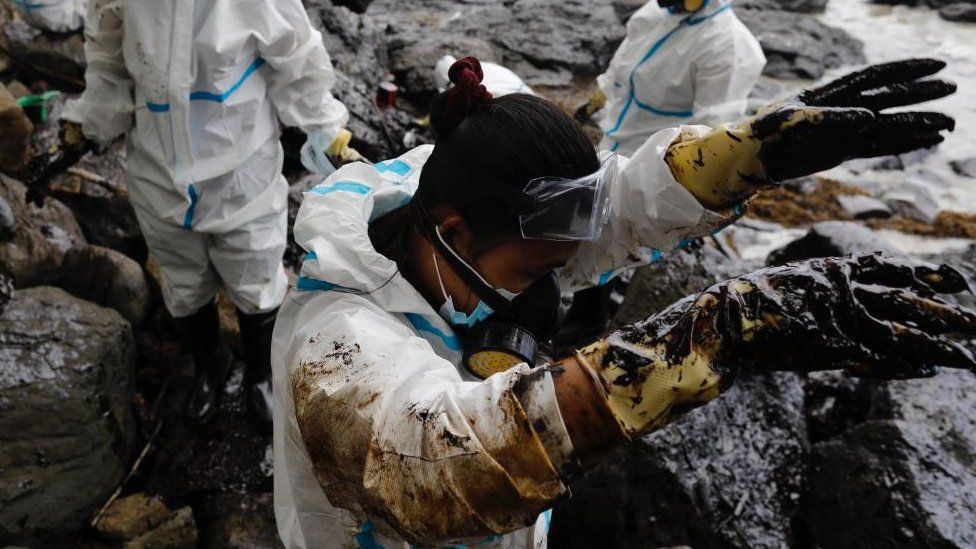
{"x":487,"y":149}
{"x":514,"y":139}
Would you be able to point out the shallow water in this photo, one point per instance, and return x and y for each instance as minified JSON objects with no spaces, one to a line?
{"x":897,"y":32}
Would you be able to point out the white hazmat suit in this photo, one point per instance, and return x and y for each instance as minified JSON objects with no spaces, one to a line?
{"x":53,"y":15}
{"x":198,"y":87}
{"x":498,"y":80}
{"x":378,"y":429}
{"x":677,"y":68}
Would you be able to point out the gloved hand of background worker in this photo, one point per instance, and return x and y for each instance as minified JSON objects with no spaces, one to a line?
{"x":873,"y":315}
{"x":73,"y":140}
{"x":340,"y":152}
{"x":324,"y":159}
{"x":43,"y":167}
{"x":815,"y":130}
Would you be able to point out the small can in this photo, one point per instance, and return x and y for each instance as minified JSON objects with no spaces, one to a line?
{"x":386,"y":95}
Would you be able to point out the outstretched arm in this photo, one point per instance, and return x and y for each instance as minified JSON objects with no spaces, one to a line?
{"x":872,"y":315}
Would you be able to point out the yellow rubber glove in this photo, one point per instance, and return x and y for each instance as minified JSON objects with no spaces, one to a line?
{"x":875,"y":316}
{"x":597,"y":101}
{"x":814,"y":130}
{"x":340,"y":152}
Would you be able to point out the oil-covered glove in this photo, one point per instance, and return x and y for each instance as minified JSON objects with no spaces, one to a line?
{"x":45,"y":166}
{"x":814,"y":130}
{"x":873,"y":315}
{"x":73,"y":140}
{"x":596,"y":102}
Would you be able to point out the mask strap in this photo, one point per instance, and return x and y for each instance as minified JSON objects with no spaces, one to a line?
{"x":439,"y":279}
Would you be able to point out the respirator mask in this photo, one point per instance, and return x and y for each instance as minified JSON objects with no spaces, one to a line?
{"x":506,"y":327}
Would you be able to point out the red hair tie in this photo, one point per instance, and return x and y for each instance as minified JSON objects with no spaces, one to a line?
{"x":467,"y":93}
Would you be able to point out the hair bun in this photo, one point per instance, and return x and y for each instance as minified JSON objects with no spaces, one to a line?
{"x":466,"y":95}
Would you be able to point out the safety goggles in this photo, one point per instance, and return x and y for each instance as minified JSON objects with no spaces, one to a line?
{"x":571,"y":209}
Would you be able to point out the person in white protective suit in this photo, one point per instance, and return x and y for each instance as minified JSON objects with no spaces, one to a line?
{"x":498,"y":80}
{"x":53,"y":15}
{"x":198,"y":87}
{"x":398,"y":420}
{"x":681,"y":62}
{"x":351,"y":301}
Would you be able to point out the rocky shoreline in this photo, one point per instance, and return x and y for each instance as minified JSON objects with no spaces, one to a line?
{"x":91,"y":372}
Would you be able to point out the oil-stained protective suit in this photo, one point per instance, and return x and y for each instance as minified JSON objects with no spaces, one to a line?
{"x":380,"y":435}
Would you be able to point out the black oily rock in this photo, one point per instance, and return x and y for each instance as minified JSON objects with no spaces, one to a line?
{"x":863,"y":207}
{"x":830,"y":239}
{"x":728,"y":474}
{"x":357,"y":45}
{"x":34,"y":252}
{"x":546,"y":42}
{"x":677,"y":274}
{"x":109,"y":278}
{"x":56,"y":58}
{"x":800,"y":6}
{"x":800,"y":46}
{"x":963,"y":12}
{"x":98,"y":194}
{"x":66,"y":420}
{"x":6,"y":291}
{"x":964,"y":166}
{"x":906,"y":478}
{"x":7,"y":220}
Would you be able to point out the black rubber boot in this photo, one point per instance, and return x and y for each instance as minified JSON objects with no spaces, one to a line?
{"x":212,"y":361}
{"x":256,"y":331}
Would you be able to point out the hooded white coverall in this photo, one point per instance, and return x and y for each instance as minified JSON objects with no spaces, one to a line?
{"x":54,"y":15}
{"x":498,"y":80}
{"x":198,"y":87}
{"x":677,"y":68}
{"x":380,"y":435}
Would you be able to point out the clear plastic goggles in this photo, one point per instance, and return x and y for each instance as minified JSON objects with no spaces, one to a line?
{"x":571,"y":209}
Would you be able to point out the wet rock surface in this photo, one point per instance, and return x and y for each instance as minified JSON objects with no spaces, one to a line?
{"x":729,"y":474}
{"x":15,"y":140}
{"x":241,"y":521}
{"x":545,"y":42}
{"x":108,"y":278}
{"x":904,"y":478}
{"x":677,"y":274}
{"x":864,"y":207}
{"x":41,"y":237}
{"x":57,"y":58}
{"x":66,"y":416}
{"x":831,"y":238}
{"x":357,"y":46}
{"x":798,"y":45}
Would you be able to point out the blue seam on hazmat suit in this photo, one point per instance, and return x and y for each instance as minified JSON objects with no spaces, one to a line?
{"x":348,"y":186}
{"x":188,"y":218}
{"x":365,"y":539}
{"x":210,"y":96}
{"x":451,"y":341}
{"x":309,"y":284}
{"x":396,"y":166}
{"x":632,"y":94}
{"x":30,"y":6}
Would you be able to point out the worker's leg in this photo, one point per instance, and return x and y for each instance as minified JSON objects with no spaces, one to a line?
{"x":189,"y":287}
{"x":248,"y":261}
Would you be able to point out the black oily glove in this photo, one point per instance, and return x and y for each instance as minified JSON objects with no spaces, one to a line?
{"x":872,"y":315}
{"x":815,"y":130}
{"x":45,"y":166}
